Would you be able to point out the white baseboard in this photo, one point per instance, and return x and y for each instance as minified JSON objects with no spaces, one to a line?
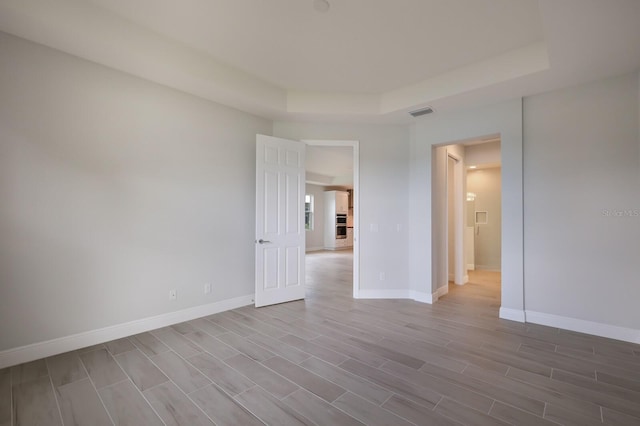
{"x":512,"y":314}
{"x":488,"y":268}
{"x":442,"y":291}
{"x":383,"y":294}
{"x":308,"y":249}
{"x":430,"y":298}
{"x":395,"y":294}
{"x":419,"y":296}
{"x":583,"y":326}
{"x":465,"y":279}
{"x":471,"y":266}
{"x":48,"y":348}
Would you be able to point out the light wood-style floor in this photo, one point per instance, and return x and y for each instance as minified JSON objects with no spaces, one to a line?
{"x":332,"y":360}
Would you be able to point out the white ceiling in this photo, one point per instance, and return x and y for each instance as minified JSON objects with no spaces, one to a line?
{"x":369,"y":46}
{"x":364,"y":60}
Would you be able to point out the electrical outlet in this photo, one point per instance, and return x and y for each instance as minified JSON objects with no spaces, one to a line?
{"x":381,"y":276}
{"x":207,"y":288}
{"x":173,"y":294}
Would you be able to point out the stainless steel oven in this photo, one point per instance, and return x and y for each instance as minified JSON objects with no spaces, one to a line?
{"x":341,"y":226}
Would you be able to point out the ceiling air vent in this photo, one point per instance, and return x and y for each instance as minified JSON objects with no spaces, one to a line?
{"x":421,"y":111}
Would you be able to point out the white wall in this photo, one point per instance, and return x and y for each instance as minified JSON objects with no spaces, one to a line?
{"x":426,"y":218}
{"x":486,"y":184}
{"x":114,"y":190}
{"x":384,"y":195}
{"x":315,"y":237}
{"x":582,"y":165}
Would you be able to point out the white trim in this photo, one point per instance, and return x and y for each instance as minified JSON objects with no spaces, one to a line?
{"x":488,"y":268}
{"x":471,"y":266}
{"x":310,"y":249}
{"x":583,"y":326}
{"x":384,"y":294}
{"x":60,"y":345}
{"x":418,"y":296}
{"x":465,"y":279}
{"x":442,"y":291}
{"x":395,"y":294}
{"x":336,"y":248}
{"x":421,"y":297}
{"x":512,"y":314}
{"x":458,"y":218}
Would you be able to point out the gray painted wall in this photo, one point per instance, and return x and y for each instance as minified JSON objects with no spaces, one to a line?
{"x":114,"y":190}
{"x":427,"y":217}
{"x":582,"y":169}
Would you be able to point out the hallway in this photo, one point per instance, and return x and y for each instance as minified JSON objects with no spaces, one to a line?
{"x":483,"y":288}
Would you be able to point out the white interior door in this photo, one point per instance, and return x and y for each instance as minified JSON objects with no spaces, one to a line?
{"x":280,"y":232}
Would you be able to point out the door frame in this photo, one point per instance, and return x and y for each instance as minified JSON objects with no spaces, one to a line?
{"x":460,"y":276}
{"x":355,"y":145}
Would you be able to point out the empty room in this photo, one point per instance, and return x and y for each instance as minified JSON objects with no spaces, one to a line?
{"x":239,"y":212}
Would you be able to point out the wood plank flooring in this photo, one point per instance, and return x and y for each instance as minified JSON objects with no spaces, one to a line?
{"x":334,"y":360}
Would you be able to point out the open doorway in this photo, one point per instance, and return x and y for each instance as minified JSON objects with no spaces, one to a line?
{"x":331,"y":215}
{"x":470,"y":244}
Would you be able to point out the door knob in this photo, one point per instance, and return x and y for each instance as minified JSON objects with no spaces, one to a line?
{"x":261,"y":241}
